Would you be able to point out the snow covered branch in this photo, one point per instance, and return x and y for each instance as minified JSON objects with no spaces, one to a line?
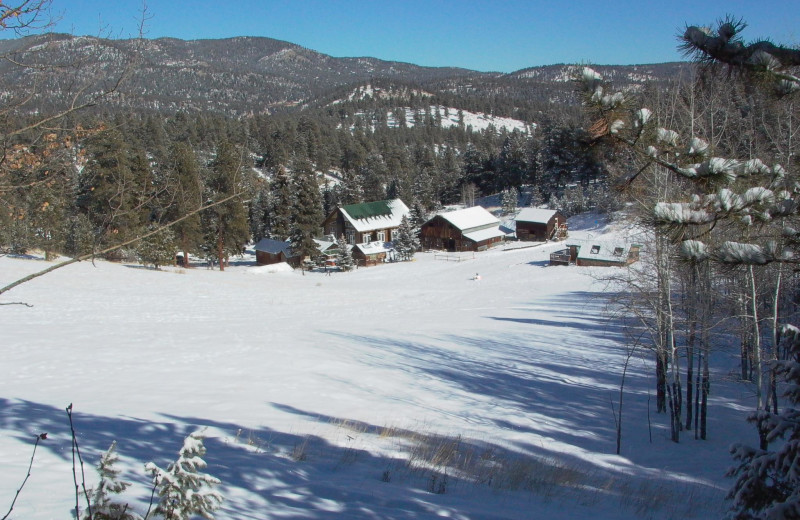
{"x":762,"y":57}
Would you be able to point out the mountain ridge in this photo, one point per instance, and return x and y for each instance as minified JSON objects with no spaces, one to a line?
{"x":246,"y":75}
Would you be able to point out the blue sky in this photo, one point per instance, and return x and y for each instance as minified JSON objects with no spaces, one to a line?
{"x":499,"y":35}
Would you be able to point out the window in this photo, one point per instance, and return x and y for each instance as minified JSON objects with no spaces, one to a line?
{"x":595,"y":250}
{"x":351,"y":237}
{"x":366,"y":238}
{"x":618,"y":251}
{"x":381,"y":236}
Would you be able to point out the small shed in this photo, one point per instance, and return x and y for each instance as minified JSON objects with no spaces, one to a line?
{"x":372,"y":253}
{"x":539,"y":225}
{"x":271,"y":251}
{"x":470,"y":229}
{"x":602,"y":253}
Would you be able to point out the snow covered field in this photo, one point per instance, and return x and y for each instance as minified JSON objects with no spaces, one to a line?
{"x":403,"y":391}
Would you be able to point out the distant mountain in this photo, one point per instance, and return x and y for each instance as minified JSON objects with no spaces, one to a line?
{"x":247,"y":75}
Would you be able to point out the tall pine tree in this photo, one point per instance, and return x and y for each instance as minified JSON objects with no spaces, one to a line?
{"x":227,"y":224}
{"x":307,"y":210}
{"x":186,"y":184}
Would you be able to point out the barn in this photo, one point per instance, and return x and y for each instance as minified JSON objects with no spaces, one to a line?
{"x":470,"y":229}
{"x":540,"y":225}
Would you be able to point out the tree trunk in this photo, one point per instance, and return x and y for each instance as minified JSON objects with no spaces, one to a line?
{"x":759,"y":373}
{"x":691,"y":312}
{"x":661,"y":382}
{"x":221,"y":249}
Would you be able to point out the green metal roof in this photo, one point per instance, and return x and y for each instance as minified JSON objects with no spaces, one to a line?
{"x":368,"y":209}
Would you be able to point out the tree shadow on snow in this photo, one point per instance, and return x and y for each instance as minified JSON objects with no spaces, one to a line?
{"x":556,"y":378}
{"x":264,"y":472}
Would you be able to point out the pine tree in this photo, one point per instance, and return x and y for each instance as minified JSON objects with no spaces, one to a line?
{"x":184,"y":173}
{"x":510,"y":197}
{"x":103,"y":507}
{"x":157,"y":249}
{"x":768,"y":482}
{"x":226,"y":223}
{"x":115,"y":188}
{"x":350,"y":189}
{"x":281,"y":210}
{"x":417,"y":215}
{"x":344,"y":257}
{"x":306,"y":211}
{"x":406,"y":241}
{"x":183,"y":489}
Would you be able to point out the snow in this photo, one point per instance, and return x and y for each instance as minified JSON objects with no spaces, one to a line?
{"x":536,"y":215}
{"x":470,"y":218}
{"x":357,"y":395}
{"x":391,"y":220}
{"x":477,"y":121}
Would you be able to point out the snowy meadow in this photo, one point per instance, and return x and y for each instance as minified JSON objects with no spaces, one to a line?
{"x":402,"y":391}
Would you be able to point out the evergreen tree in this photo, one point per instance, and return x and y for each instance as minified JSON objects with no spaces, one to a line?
{"x":417,"y":215}
{"x":374,"y":175}
{"x":183,"y":489}
{"x":406,"y":241}
{"x":350,"y":189}
{"x":768,"y":482}
{"x":226,"y":223}
{"x":115,"y":188}
{"x":512,"y":168}
{"x":157,"y":249}
{"x":260,"y":211}
{"x":344,"y":257}
{"x":103,"y":506}
{"x":185,"y":182}
{"x":280,"y":222}
{"x":510,"y":197}
{"x":306,"y":211}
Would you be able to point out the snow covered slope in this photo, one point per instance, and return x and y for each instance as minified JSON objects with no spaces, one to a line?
{"x":401,"y":391}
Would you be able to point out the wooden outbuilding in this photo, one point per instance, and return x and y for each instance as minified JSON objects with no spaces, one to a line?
{"x":597,"y":253}
{"x":270,"y":251}
{"x":471,"y":229}
{"x":373,"y":253}
{"x":540,"y":225}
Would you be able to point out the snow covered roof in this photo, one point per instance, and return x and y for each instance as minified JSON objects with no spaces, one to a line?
{"x":603,"y":251}
{"x":370,"y":216}
{"x":374,"y":248}
{"x":469,"y":218}
{"x":324,"y":245}
{"x":485,"y":234}
{"x":272,"y":246}
{"x":535,"y":215}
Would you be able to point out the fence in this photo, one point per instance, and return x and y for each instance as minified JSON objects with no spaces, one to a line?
{"x":454,"y":257}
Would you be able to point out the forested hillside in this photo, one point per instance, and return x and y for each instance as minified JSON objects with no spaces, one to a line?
{"x":154,"y":114}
